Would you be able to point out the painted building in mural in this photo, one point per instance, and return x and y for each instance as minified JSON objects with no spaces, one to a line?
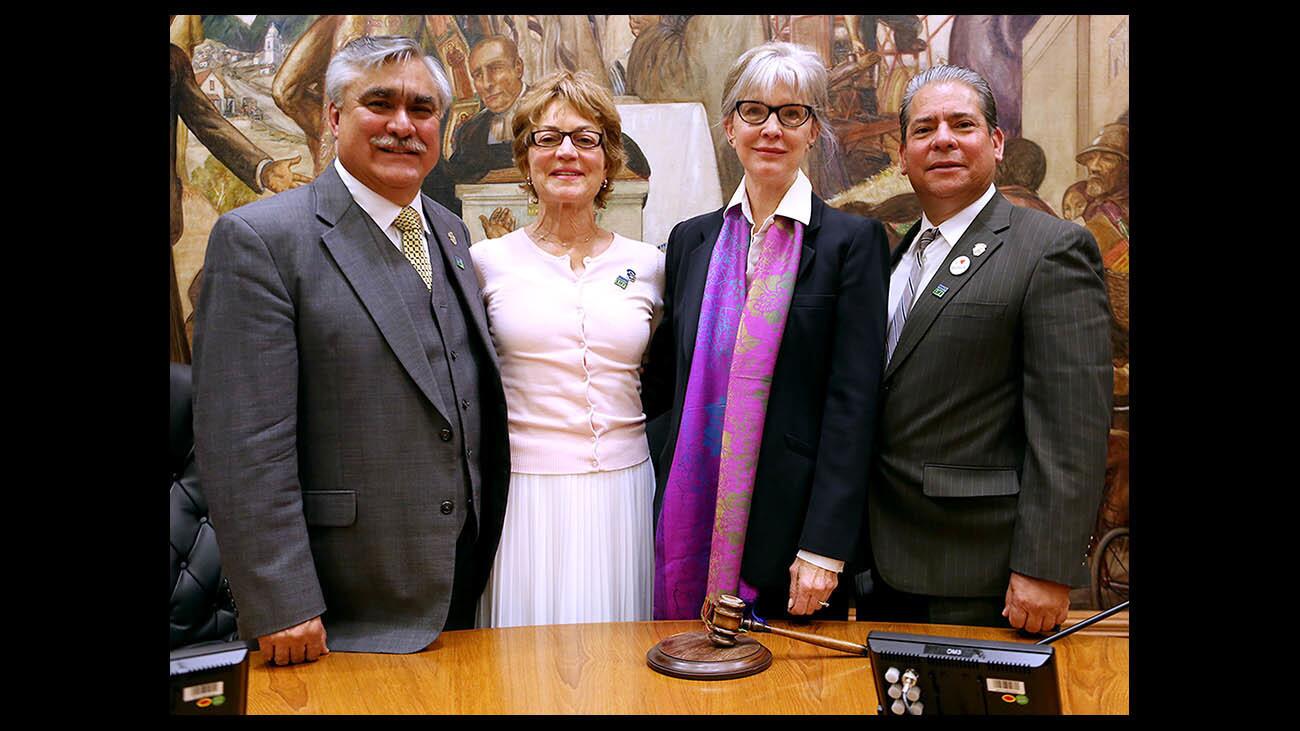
{"x":1061,"y":84}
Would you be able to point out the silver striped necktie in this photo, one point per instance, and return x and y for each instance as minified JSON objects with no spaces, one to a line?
{"x":909,"y":293}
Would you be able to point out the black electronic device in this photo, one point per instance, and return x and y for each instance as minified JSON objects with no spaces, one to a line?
{"x":923,"y":675}
{"x":210,"y":680}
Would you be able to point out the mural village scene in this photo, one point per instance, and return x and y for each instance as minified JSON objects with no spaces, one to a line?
{"x":250,"y":87}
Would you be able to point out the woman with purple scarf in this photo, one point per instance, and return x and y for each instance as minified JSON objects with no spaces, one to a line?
{"x":768,"y":363}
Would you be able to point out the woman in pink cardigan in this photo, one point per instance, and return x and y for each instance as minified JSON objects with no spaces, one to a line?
{"x":571,"y":308}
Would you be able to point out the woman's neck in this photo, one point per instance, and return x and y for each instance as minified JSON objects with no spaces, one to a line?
{"x":565,"y":230}
{"x":765,"y":197}
{"x":567,"y":226}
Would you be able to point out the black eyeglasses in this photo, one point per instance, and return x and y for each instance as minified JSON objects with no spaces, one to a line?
{"x":583,"y":139}
{"x":789,"y":115}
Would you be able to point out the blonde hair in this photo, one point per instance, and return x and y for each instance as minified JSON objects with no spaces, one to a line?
{"x":588,"y":98}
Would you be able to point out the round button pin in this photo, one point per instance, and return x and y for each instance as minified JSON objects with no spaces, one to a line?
{"x":960,"y":265}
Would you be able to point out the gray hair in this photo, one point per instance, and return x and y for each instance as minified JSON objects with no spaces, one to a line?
{"x":366,"y":53}
{"x":944,"y":72}
{"x":760,"y":69}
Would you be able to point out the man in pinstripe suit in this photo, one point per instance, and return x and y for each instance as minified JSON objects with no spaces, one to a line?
{"x":996,"y":393}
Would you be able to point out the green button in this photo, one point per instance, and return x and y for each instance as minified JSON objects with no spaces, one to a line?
{"x":1022,"y":699}
{"x":222,"y":699}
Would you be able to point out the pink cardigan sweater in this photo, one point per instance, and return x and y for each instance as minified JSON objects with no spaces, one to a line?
{"x":570,"y":345}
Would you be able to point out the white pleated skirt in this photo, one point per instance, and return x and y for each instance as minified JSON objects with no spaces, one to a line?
{"x":574,"y":548}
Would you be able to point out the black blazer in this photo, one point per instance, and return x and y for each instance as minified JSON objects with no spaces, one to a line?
{"x":810,"y":489}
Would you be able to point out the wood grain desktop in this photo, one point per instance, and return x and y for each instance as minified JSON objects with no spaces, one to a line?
{"x":601,"y":669}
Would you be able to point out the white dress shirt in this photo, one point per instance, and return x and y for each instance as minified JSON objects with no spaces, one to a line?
{"x":950,"y":232}
{"x":796,"y":204}
{"x":381,"y":210}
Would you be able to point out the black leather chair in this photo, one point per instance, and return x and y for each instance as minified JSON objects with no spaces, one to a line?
{"x":202,"y":608}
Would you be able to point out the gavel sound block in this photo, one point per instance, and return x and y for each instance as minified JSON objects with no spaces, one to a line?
{"x":721,"y":652}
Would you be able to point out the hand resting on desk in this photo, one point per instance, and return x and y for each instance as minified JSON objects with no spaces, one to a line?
{"x":1036,"y":605}
{"x":300,"y":643}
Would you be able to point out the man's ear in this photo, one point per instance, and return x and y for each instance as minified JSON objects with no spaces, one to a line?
{"x":332,"y":113}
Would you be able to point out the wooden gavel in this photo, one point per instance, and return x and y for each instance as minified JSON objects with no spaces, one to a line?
{"x":725,"y":620}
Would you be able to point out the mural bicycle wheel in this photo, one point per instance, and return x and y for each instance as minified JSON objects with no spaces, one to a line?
{"x":1110,"y":569}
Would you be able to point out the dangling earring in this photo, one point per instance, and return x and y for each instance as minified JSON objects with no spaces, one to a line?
{"x":604,"y":184}
{"x":532,"y":192}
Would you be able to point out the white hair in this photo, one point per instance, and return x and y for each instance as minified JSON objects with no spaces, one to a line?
{"x":366,"y":53}
{"x":762,"y":68}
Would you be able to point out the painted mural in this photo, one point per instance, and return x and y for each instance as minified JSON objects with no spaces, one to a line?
{"x":248,"y":120}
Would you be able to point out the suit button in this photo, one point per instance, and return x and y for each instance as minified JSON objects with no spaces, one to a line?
{"x":446,"y":507}
{"x":445,"y":434}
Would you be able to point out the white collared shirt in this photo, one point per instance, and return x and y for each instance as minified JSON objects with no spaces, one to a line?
{"x":796,"y":204}
{"x":381,"y":210}
{"x":950,"y":232}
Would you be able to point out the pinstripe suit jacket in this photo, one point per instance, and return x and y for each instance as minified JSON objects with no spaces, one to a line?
{"x":324,"y":446}
{"x":991,"y":449}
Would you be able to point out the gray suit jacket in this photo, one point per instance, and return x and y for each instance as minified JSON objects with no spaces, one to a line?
{"x":995,"y":409}
{"x":321,"y":434}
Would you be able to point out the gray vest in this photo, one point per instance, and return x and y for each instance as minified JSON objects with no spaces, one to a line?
{"x":439,"y":318}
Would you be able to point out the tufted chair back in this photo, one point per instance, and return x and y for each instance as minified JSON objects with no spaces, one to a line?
{"x":202,"y":608}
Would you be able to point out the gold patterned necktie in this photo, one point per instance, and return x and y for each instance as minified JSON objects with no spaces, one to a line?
{"x":408,"y":222}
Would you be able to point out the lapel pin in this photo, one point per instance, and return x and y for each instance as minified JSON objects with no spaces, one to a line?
{"x":460,"y":263}
{"x":452,"y":236}
{"x":631,"y":275}
{"x":621,"y":282}
{"x":960,"y":265}
{"x":979,"y":248}
{"x":940,"y":291}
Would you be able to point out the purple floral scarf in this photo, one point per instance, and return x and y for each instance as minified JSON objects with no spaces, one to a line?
{"x":700,"y":538}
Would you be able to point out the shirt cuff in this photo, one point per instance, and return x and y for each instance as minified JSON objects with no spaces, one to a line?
{"x":830,"y":564}
{"x":258,"y":174}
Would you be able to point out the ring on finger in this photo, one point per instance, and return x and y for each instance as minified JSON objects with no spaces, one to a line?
{"x":824,"y":604}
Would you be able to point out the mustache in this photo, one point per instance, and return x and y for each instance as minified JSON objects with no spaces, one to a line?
{"x":410,"y":144}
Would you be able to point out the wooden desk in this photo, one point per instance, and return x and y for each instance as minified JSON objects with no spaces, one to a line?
{"x":601,"y":669}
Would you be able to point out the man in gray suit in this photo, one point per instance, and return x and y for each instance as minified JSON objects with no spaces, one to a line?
{"x":996,"y":390}
{"x":349,"y":419}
